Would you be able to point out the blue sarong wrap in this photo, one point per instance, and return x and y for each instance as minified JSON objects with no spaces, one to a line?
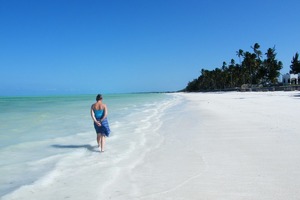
{"x":104,"y":128}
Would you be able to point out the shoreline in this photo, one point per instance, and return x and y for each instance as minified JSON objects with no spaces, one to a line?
{"x":222,"y":146}
{"x":225,"y":146}
{"x":228,"y":145}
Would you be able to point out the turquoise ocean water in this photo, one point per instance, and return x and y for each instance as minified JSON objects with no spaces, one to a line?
{"x":37,"y":133}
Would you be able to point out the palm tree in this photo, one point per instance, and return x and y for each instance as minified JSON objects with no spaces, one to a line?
{"x":240,"y":53}
{"x":256,"y":50}
{"x":231,"y":70}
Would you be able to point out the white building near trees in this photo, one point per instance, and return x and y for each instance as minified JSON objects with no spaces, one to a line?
{"x":291,"y":78}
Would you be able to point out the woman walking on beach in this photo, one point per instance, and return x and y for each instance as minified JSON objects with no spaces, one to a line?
{"x":99,"y":116}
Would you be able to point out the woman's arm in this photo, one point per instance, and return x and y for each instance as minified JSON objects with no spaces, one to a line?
{"x":105,"y":113}
{"x":93,"y":117}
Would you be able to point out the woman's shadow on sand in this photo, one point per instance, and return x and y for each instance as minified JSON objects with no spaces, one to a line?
{"x":84,"y":146}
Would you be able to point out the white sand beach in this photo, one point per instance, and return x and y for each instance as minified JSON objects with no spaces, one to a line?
{"x":226,"y":146}
{"x":211,"y":146}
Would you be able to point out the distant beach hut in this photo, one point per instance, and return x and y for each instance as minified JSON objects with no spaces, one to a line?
{"x":291,"y":78}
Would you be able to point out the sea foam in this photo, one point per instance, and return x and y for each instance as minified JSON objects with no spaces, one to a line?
{"x":55,"y":146}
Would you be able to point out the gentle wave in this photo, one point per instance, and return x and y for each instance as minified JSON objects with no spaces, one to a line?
{"x":40,"y":162}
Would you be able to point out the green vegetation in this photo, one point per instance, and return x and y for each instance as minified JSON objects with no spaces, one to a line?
{"x":253,"y":69}
{"x":295,"y":66}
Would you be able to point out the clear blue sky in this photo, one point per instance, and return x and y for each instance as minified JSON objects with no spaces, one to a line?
{"x":117,"y":46}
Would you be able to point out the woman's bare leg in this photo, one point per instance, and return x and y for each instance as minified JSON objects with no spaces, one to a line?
{"x":99,"y":140}
{"x":102,"y":142}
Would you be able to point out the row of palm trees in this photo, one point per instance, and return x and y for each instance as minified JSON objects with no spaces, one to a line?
{"x":253,"y":69}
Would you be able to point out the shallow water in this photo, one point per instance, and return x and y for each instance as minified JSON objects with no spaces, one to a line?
{"x":40,"y":137}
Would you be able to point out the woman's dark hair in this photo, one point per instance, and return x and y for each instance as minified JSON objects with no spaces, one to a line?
{"x":98,"y":97}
